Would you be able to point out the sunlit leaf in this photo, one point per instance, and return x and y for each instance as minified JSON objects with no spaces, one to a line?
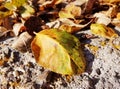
{"x":116,"y":46}
{"x":102,"y":30}
{"x":109,"y":1}
{"x":27,"y":12}
{"x":65,"y":14}
{"x":23,"y":42}
{"x":71,"y":27}
{"x":57,"y":1}
{"x":5,"y":14}
{"x":18,"y":3}
{"x":116,"y":43}
{"x":102,"y":18}
{"x":58,"y":51}
{"x":118,"y":15}
{"x":113,"y":1}
{"x":70,"y":11}
{"x":9,"y":6}
{"x":14,"y":4}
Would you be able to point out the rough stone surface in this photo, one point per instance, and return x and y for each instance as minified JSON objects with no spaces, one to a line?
{"x":20,"y":71}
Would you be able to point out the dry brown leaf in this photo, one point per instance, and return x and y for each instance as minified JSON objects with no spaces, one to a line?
{"x":67,"y":25}
{"x":89,"y":6}
{"x":4,"y":31}
{"x":102,"y":18}
{"x":23,"y":42}
{"x":54,"y":24}
{"x":7,"y":23}
{"x":2,"y":61}
{"x":70,"y":26}
{"x":116,"y":22}
{"x":48,"y":4}
{"x":16,"y":28}
{"x":112,"y":11}
{"x":79,"y":2}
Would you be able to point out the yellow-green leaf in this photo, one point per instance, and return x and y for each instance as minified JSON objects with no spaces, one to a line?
{"x":102,"y":30}
{"x":14,"y":4}
{"x":27,"y":12}
{"x":58,"y":51}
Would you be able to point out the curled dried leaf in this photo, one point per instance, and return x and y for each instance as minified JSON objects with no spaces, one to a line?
{"x":17,"y":28}
{"x":67,"y":25}
{"x":23,"y":42}
{"x":70,"y":26}
{"x":58,"y":51}
{"x":79,"y":2}
{"x":116,"y":22}
{"x":116,"y":43}
{"x":3,"y":31}
{"x":102,"y":30}
{"x":102,"y":18}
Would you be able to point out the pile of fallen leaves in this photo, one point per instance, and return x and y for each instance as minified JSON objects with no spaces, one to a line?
{"x":49,"y":26}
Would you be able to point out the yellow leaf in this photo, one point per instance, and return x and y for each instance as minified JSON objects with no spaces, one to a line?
{"x":70,"y":11}
{"x":102,"y":30}
{"x":118,"y":15}
{"x":116,"y":46}
{"x":58,"y":51}
{"x":65,"y":14}
{"x":109,"y":1}
{"x":57,"y":1}
{"x":114,"y":1}
{"x":14,"y":4}
{"x":5,"y":14}
{"x":71,"y":27}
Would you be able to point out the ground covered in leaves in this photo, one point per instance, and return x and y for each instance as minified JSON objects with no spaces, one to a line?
{"x":96,"y":23}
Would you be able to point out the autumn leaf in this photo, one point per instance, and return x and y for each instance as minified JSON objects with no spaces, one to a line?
{"x":14,"y":4}
{"x":58,"y":51}
{"x":27,"y":12}
{"x":116,"y":43}
{"x":5,"y":14}
{"x":23,"y":42}
{"x":118,"y":16}
{"x":110,"y":1}
{"x":102,"y":30}
{"x":3,"y":31}
{"x":68,"y":25}
{"x":70,"y":11}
